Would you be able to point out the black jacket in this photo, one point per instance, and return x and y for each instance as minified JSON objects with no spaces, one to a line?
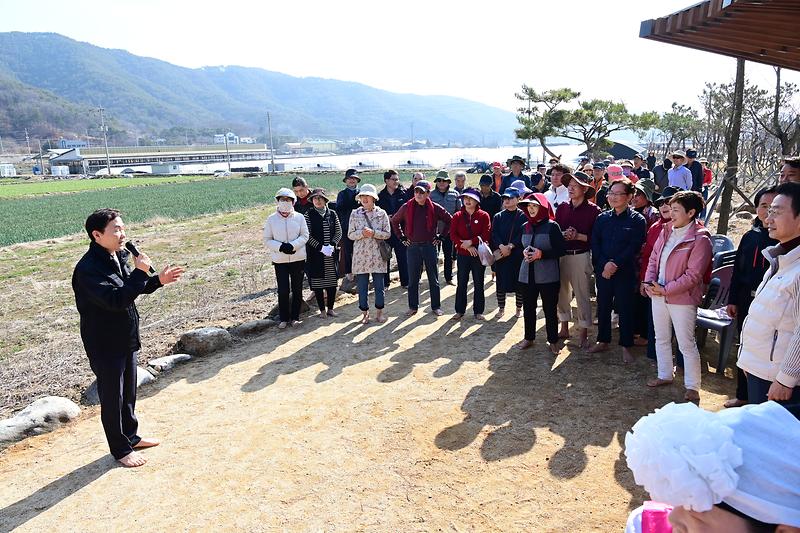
{"x":391,"y":203}
{"x":104,"y":298}
{"x":750,"y":265}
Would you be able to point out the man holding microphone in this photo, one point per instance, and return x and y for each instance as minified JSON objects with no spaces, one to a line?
{"x":105,"y":288}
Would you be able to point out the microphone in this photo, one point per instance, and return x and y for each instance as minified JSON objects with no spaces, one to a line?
{"x":135,"y":251}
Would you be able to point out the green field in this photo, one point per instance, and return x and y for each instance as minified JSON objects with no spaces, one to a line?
{"x":45,"y":216}
{"x":15,"y":187}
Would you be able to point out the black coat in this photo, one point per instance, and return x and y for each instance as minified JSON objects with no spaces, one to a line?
{"x":104,"y":298}
{"x":750,"y":265}
{"x":315,"y":265}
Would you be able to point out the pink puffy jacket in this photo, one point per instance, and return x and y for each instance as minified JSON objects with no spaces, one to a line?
{"x":687,"y":265}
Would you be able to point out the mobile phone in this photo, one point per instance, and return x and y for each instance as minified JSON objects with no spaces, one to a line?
{"x":650,"y":283}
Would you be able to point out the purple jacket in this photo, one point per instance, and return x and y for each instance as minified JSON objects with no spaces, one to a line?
{"x":687,"y":265}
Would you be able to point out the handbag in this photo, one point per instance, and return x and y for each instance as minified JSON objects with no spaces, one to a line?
{"x":383,"y":247}
{"x":485,"y":253}
{"x":496,"y":253}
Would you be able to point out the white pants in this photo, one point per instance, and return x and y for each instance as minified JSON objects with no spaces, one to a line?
{"x":683,"y":318}
{"x":576,"y":272}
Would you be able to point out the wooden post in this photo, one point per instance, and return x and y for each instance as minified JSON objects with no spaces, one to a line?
{"x":732,"y":142}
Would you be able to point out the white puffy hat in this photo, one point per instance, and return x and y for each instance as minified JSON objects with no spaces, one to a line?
{"x":285,"y":192}
{"x":747,"y":457}
{"x":368,"y":190}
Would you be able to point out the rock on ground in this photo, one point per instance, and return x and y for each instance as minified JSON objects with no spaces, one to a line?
{"x":143,"y":377}
{"x":163,"y":364}
{"x":203,"y":341}
{"x":42,"y":416}
{"x":252,"y":327}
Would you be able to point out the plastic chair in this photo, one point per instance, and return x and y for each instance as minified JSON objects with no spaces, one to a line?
{"x":722,"y":259}
{"x":721,"y":243}
{"x":708,"y":318}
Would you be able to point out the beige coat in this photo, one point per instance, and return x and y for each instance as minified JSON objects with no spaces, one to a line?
{"x":366,"y":257}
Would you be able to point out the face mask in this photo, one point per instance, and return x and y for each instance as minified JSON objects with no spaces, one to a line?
{"x":285,"y":207}
{"x":626,"y":171}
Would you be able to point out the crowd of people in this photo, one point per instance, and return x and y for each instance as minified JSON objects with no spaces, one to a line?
{"x":629,"y":232}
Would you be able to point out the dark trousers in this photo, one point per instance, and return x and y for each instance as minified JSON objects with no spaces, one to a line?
{"x":549,"y":294}
{"x":742,"y":309}
{"x":116,"y":387}
{"x":290,"y":280}
{"x":757,"y":389}
{"x":447,"y":250}
{"x":642,"y":316}
{"x":402,"y":262}
{"x":347,"y":249}
{"x":320,"y":294}
{"x":615,"y":293}
{"x":470,"y":265}
{"x":420,"y":255}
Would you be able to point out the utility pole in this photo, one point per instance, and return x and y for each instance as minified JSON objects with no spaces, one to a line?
{"x":529,"y":137}
{"x":227,"y":153}
{"x":28,"y":141}
{"x":271,"y":146}
{"x":41,"y":157}
{"x":105,"y":140}
{"x":1,"y":144}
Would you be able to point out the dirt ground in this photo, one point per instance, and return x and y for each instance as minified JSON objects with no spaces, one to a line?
{"x":420,"y":424}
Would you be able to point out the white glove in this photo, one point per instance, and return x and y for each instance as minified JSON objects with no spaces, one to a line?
{"x":327,"y":250}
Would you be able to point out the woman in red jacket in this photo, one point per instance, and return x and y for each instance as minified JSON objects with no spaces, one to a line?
{"x":470,"y":225}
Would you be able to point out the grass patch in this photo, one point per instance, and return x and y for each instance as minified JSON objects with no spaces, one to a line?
{"x":17,"y":188}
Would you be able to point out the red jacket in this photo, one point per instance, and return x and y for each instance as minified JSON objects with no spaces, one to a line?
{"x":466,"y":227}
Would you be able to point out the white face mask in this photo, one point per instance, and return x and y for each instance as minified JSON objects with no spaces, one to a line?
{"x":285,"y":206}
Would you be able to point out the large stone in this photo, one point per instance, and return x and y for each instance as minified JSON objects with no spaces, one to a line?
{"x":42,"y":416}
{"x":163,"y":364}
{"x":203,"y":341}
{"x":143,"y":377}
{"x":252,"y":327}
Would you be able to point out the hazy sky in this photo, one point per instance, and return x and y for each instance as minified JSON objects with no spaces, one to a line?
{"x":483,"y":51}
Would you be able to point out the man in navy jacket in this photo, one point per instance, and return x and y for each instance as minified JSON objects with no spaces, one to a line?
{"x":105,"y":288}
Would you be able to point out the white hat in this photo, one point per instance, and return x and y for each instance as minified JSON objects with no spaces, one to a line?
{"x":746,"y":457}
{"x":368,"y":190}
{"x":286,"y":193}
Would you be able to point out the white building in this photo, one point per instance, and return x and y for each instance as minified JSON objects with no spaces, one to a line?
{"x":7,"y":170}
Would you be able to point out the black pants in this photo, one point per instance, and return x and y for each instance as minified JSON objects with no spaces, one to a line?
{"x":549,"y":294}
{"x":402,"y":263}
{"x":742,"y":309}
{"x":116,"y":387}
{"x":758,"y":388}
{"x":347,"y":250}
{"x":642,"y":316}
{"x":615,"y":293}
{"x":447,"y":250}
{"x":470,"y":265}
{"x":320,"y":294}
{"x":290,"y":280}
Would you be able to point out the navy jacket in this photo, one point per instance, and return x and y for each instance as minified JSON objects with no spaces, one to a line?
{"x":508,"y":179}
{"x":750,"y":265}
{"x":618,"y":238}
{"x":104,"y":298}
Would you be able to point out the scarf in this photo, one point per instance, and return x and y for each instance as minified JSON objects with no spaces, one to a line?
{"x":322,"y":211}
{"x":545,"y":212}
{"x":430,"y":220}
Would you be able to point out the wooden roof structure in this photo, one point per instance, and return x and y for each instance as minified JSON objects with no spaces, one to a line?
{"x":764,"y":31}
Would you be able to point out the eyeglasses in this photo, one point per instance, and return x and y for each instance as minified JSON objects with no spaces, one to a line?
{"x":774,"y":211}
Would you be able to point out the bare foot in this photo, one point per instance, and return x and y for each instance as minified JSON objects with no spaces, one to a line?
{"x":734,"y":402}
{"x":457,"y":316}
{"x":410,"y":313}
{"x":658,"y":382}
{"x":564,"y":331}
{"x":554,"y":348}
{"x":379,"y":316}
{"x":147,"y":442}
{"x":132,"y":460}
{"x":599,"y":347}
{"x":627,"y":356}
{"x":524,"y":344}
{"x":500,"y":312}
{"x":584,"y":341}
{"x":365,"y":317}
{"x":518,"y":314}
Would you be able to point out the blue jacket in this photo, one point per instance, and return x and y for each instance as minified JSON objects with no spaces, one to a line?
{"x":618,"y":238}
{"x":509,"y":178}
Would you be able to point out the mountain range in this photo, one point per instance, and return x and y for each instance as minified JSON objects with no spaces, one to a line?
{"x":51,"y":84}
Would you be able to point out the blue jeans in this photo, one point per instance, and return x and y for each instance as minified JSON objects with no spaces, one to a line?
{"x":362,"y":280}
{"x":419,"y":255}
